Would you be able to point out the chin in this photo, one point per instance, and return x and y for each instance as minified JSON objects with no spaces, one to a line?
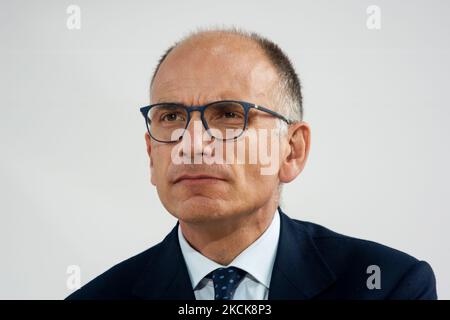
{"x":202,"y":209}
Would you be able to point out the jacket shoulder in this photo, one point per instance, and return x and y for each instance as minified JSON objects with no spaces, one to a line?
{"x":354,"y":260}
{"x":330,"y":242}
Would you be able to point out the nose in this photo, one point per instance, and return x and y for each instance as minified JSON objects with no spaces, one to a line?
{"x":198,"y":140}
{"x":195,"y":125}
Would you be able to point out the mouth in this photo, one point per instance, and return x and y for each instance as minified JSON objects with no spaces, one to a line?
{"x":197,"y":179}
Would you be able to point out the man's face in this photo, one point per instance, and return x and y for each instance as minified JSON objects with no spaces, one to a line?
{"x":196,"y":73}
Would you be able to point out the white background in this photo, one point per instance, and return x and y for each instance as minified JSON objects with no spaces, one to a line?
{"x":74,"y":177}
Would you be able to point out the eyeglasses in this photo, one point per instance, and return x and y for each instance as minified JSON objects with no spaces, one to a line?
{"x":224,"y":120}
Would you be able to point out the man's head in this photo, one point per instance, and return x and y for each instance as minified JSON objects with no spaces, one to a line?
{"x":214,"y":65}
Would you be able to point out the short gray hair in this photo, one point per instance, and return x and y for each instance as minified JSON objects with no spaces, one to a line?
{"x":288,"y":93}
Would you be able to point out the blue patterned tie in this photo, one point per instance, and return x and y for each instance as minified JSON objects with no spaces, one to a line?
{"x":226,"y":281}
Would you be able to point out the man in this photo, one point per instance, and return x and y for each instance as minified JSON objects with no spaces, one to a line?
{"x":212,"y":94}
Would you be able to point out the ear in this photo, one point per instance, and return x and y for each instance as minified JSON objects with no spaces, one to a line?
{"x":148,"y":142}
{"x":296,"y":151}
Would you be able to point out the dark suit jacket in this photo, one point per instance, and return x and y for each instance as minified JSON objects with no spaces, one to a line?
{"x":312,"y":262}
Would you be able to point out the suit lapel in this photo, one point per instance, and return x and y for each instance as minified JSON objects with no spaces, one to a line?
{"x":299,"y":270}
{"x":167,"y":277}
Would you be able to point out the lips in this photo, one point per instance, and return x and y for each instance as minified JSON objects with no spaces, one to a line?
{"x":198,"y":178}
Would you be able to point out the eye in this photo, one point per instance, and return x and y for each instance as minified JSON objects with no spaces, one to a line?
{"x":230,"y":114}
{"x":173,"y":116}
{"x":225,"y":113}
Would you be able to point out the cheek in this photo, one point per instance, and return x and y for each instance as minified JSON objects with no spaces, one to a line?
{"x":253,"y":183}
{"x":161,"y":159}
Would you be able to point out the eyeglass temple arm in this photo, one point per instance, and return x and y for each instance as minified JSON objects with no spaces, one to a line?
{"x":276,"y":114}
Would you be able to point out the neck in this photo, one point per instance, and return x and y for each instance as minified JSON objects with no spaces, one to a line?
{"x":222,"y":241}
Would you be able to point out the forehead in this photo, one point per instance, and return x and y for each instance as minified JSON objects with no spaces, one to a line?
{"x":206,"y":70}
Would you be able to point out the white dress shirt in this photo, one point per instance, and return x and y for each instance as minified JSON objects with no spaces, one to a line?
{"x":257,"y":260}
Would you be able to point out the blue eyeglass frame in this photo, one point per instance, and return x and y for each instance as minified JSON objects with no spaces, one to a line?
{"x":201,"y":108}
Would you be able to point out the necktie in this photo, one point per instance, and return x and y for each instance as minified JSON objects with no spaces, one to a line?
{"x":226,"y":281}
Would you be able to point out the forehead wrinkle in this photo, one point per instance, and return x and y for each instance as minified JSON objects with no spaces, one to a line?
{"x":195,"y":95}
{"x":206,"y":100}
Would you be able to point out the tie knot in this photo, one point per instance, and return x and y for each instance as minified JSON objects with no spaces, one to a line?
{"x":226,"y":281}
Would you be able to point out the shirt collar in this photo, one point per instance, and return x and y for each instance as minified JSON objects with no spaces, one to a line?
{"x":257,"y":259}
